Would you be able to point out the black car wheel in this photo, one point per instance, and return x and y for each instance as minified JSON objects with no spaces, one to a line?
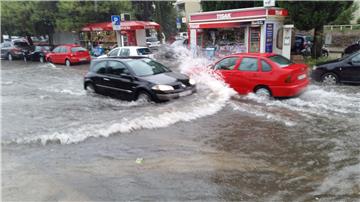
{"x":144,"y":97}
{"x":90,"y":88}
{"x":329,"y":79}
{"x":10,"y":57}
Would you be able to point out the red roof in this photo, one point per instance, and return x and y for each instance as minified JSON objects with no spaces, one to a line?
{"x":126,"y":25}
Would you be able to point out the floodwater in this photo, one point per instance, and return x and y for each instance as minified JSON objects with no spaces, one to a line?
{"x":59,"y":143}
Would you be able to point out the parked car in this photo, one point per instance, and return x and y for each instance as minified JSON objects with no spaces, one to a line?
{"x":302,"y":43}
{"x":351,"y":49}
{"x":38,"y":53}
{"x":342,"y":70}
{"x":14,"y":49}
{"x":181,"y":35}
{"x":129,"y":51}
{"x":266,"y":74}
{"x":135,"y":78}
{"x":152,"y":42}
{"x":68,"y":54}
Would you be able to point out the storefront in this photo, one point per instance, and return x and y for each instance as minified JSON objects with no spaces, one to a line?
{"x":240,"y":30}
{"x":134,"y":33}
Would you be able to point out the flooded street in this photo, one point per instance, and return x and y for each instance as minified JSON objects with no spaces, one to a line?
{"x":60,"y":143}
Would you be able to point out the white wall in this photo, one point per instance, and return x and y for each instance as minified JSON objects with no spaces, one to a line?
{"x":140,"y":37}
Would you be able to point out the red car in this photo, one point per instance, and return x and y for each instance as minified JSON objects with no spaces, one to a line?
{"x":68,"y":54}
{"x":263,"y":73}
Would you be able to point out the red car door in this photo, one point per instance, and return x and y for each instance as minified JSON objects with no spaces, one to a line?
{"x":227,"y":67}
{"x":65,"y":51}
{"x":248,"y":71}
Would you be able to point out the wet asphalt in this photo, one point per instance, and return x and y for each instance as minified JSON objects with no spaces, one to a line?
{"x":60,"y":143}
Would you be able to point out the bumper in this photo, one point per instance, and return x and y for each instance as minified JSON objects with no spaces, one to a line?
{"x":80,"y":59}
{"x":170,"y":96}
{"x":289,"y":91}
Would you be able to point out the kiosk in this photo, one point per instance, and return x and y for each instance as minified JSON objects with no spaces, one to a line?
{"x":134,"y":33}
{"x":256,"y":30}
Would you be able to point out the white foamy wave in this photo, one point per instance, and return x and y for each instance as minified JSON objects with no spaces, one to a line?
{"x":65,"y":91}
{"x":315,"y":101}
{"x":252,"y":109}
{"x":7,"y":83}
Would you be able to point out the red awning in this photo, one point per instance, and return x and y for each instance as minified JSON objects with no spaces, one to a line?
{"x":127,"y":25}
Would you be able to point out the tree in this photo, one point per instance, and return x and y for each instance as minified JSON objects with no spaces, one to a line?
{"x":73,"y":15}
{"x":224,"y":5}
{"x":307,"y":15}
{"x":162,"y":12}
{"x":346,"y":16}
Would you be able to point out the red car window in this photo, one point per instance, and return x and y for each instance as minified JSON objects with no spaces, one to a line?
{"x":249,"y":64}
{"x":265,"y":67}
{"x":227,"y":64}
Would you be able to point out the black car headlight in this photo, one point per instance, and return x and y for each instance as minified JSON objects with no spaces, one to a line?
{"x":163,"y":88}
{"x":192,"y":82}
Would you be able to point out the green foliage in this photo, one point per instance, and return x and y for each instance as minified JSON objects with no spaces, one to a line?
{"x":73,"y":15}
{"x":225,"y":5}
{"x":346,"y":16}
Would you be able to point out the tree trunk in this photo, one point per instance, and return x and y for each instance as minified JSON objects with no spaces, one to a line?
{"x":51,"y":38}
{"x":318,"y":42}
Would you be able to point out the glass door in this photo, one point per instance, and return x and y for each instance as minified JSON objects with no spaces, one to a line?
{"x":254,"y":39}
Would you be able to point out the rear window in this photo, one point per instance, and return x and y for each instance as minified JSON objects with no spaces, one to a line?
{"x":280,"y":60}
{"x":77,"y":49}
{"x":143,"y":51}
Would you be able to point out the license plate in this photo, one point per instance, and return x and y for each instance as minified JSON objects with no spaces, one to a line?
{"x":185,"y":93}
{"x":82,"y":59}
{"x":302,"y":76}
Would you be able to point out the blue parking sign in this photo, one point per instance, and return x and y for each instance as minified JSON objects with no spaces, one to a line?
{"x":115,"y":19}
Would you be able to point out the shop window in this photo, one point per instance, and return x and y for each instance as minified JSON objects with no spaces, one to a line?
{"x":226,"y":64}
{"x":265,"y":67}
{"x":249,"y":65}
{"x":279,"y":38}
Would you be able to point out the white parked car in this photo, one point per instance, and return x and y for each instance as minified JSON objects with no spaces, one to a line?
{"x":152,"y":42}
{"x":128,"y":51}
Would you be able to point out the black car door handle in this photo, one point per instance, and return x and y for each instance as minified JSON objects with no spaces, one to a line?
{"x":106,"y":79}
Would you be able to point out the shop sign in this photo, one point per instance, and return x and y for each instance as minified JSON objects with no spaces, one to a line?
{"x":194,"y":26}
{"x":115,"y":21}
{"x":269,"y":3}
{"x":223,"y":16}
{"x":183,"y":19}
{"x":258,"y":22}
{"x":269,"y":37}
{"x":126,"y":28}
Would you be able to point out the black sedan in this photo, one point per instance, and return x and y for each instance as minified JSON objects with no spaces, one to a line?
{"x":343,"y":70}
{"x":37,"y":53}
{"x":136,"y":78}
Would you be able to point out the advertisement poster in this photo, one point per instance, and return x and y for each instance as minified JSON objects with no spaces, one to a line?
{"x":269,"y":37}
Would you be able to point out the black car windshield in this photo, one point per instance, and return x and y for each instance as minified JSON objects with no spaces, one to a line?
{"x":77,"y":49}
{"x":143,"y":51}
{"x":146,"y":67}
{"x":280,"y":60}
